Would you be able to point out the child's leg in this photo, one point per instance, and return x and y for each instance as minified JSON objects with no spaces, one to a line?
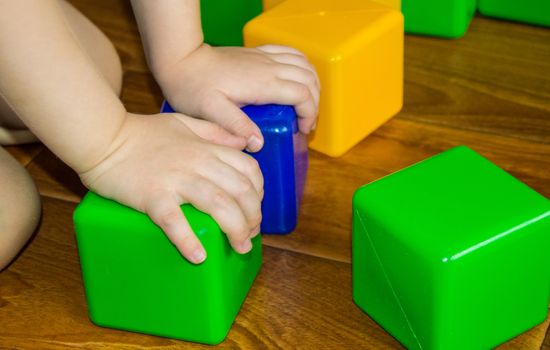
{"x":96,"y":44}
{"x":19,"y":199}
{"x":19,"y":207}
{"x":101,"y":52}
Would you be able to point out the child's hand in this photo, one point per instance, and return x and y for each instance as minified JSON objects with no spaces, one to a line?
{"x":157,"y":163}
{"x":212,"y":83}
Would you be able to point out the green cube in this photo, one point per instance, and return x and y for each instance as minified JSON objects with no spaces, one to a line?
{"x":444,"y":18}
{"x":451,"y":253}
{"x":530,"y":11}
{"x":223,"y":20}
{"x":136,"y":280}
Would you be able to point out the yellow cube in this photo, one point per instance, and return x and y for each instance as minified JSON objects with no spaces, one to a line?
{"x":396,"y":4}
{"x":270,"y":3}
{"x":356,"y":47}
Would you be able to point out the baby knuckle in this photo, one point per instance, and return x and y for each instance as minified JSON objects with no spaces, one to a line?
{"x":241,"y":231}
{"x":214,"y":128}
{"x":155,"y":185}
{"x":206,"y":102}
{"x":201,"y":183}
{"x":311,"y":79}
{"x":252,"y":165}
{"x":221,"y":199}
{"x":257,"y":219}
{"x":302,"y":61}
{"x":245,"y":188}
{"x":168,"y":218}
{"x":240,"y":123}
{"x":302,"y":92}
{"x":217,"y":129}
{"x":188,"y":241}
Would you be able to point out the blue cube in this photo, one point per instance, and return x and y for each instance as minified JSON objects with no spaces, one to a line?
{"x":283,"y":161}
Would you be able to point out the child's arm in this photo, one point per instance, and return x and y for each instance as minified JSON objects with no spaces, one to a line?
{"x":212,"y":83}
{"x":151,"y":163}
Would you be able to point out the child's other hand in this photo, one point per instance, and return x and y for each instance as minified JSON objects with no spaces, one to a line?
{"x":156,"y":163}
{"x":213,"y":82}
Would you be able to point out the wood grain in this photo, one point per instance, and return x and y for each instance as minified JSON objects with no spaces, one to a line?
{"x":325,"y":218}
{"x":55,"y":179}
{"x":495,"y":80}
{"x":297,"y":299}
{"x":24,"y":154}
{"x":140,"y":93}
{"x":490,"y":91}
{"x":532,"y":339}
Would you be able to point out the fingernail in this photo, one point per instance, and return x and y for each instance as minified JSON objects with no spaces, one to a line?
{"x":314,"y":126}
{"x":199,"y":256}
{"x":254,"y":144}
{"x":246,"y":246}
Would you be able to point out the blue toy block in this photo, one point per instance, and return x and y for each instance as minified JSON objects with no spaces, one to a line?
{"x":283,"y":161}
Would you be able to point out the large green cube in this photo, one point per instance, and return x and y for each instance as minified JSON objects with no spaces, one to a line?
{"x":452,"y":253}
{"x":223,"y":20}
{"x":530,"y":11}
{"x":444,"y":18}
{"x":136,"y":280}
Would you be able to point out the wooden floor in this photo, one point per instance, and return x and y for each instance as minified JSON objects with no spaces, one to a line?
{"x":490,"y":91}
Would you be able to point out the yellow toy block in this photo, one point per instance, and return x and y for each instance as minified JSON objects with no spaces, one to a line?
{"x":356,"y":47}
{"x":395,"y":4}
{"x":268,"y":4}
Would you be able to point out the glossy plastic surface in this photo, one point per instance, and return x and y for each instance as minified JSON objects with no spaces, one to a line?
{"x":356,"y":47}
{"x":448,"y":18}
{"x":136,"y":280}
{"x":268,"y":4}
{"x":529,"y":11}
{"x":283,"y":161}
{"x":396,"y":4}
{"x":451,"y":253}
{"x":223,"y":20}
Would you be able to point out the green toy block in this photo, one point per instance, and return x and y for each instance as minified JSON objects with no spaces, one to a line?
{"x":444,"y":18}
{"x":223,"y":20}
{"x":136,"y":280}
{"x":529,"y":11}
{"x":451,"y":253}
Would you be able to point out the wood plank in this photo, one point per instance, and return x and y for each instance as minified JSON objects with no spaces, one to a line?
{"x":296,"y":299}
{"x":532,"y":339}
{"x":489,"y":90}
{"x":449,"y":82}
{"x":324,"y":226}
{"x":55,"y":179}
{"x":24,"y":154}
{"x":325,"y":219}
{"x":499,"y":71}
{"x":546,"y":345}
{"x":140,"y":93}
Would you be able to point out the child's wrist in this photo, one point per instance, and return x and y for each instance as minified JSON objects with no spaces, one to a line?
{"x":110,"y":141}
{"x":163,"y":69}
